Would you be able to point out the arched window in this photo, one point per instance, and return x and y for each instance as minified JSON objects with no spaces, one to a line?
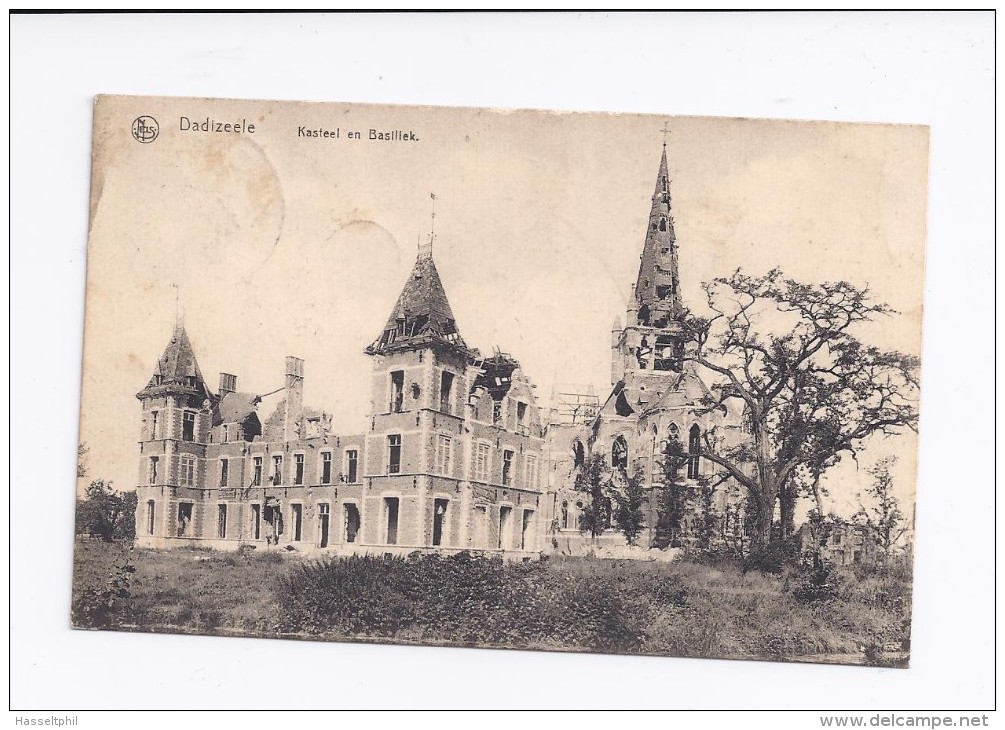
{"x":663,"y":224}
{"x":565,"y":516}
{"x":619,"y":454}
{"x":578,"y":453}
{"x":693,"y":450}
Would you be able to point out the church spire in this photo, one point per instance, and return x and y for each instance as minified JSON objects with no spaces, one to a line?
{"x":657,"y":289}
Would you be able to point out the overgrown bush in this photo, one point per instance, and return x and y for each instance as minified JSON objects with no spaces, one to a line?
{"x":102,"y":606}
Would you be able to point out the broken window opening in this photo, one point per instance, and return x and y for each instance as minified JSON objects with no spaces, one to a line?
{"x":323,"y":521}
{"x":497,"y":412}
{"x":394,"y":454}
{"x":277,"y":469}
{"x":578,"y":453}
{"x":693,"y":449}
{"x":668,"y":355}
{"x":507,"y":469}
{"x":352,"y":465}
{"x":256,"y":477}
{"x":565,"y":516}
{"x":663,"y":224}
{"x":221,"y":521}
{"x":184,"y":519}
{"x":298,"y":468}
{"x":153,"y":424}
{"x":446,"y":388}
{"x":188,"y":426}
{"x":297,"y":518}
{"x":663,"y":291}
{"x":391,"y":524}
{"x":397,"y":390}
{"x":521,"y":413}
{"x":619,"y":454}
{"x":154,"y":462}
{"x":481,"y":532}
{"x":439,"y":515}
{"x":150,"y":516}
{"x":352,"y":521}
{"x":224,"y":472}
{"x":326,"y":467}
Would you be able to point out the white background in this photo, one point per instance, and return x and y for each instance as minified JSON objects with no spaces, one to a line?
{"x":934,"y":69}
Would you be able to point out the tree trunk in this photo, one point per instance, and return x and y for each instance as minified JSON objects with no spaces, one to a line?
{"x":787,"y":506}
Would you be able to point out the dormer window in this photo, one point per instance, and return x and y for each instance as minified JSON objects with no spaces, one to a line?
{"x":190,"y":381}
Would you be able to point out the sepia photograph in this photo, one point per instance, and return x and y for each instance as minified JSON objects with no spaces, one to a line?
{"x":574,"y":382}
{"x":491,"y":361}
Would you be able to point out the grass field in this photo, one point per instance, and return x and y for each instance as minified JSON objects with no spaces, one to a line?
{"x":578,"y":604}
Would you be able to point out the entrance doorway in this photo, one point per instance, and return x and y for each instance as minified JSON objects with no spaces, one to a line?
{"x":439,"y":515}
{"x":185,"y":519}
{"x":323,"y":520}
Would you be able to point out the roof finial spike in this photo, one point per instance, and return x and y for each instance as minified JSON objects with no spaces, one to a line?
{"x":179,"y":315}
{"x":666,"y":131}
{"x":426,"y":251}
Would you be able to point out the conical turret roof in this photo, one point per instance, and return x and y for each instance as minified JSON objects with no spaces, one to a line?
{"x":422,"y":312}
{"x":177,"y":369}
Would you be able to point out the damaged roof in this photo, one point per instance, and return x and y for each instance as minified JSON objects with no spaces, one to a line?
{"x":496,"y":375}
{"x":236,"y":408}
{"x":177,"y":366}
{"x":422,"y":311}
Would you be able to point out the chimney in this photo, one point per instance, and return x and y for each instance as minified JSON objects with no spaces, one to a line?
{"x":228,"y":384}
{"x":294,"y":399}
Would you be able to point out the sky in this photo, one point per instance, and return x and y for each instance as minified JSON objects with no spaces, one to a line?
{"x":272,"y":243}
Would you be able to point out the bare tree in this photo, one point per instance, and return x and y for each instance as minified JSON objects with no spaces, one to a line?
{"x":810,"y":389}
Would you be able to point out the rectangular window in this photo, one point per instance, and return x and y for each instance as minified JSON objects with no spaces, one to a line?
{"x":298,"y":468}
{"x":393,"y":454}
{"x":482,"y":456}
{"x":521,"y":414}
{"x":188,"y":426}
{"x":397,"y":391}
{"x":531,"y":462}
{"x":154,"y":463}
{"x":507,"y":474}
{"x":224,"y":472}
{"x":226,"y":433}
{"x":277,"y":469}
{"x":324,"y":518}
{"x":443,"y":455}
{"x":256,"y":476}
{"x":326,"y":467}
{"x":221,"y":520}
{"x":446,"y":391}
{"x":187,"y":476}
{"x":153,"y":424}
{"x":297,"y":518}
{"x":352,"y":466}
{"x":150,"y":517}
{"x":256,"y":522}
{"x":497,"y":412}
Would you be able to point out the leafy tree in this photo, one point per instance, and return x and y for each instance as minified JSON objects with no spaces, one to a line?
{"x":106,"y":512}
{"x":671,"y":496}
{"x":811,"y":391}
{"x":593,"y":479}
{"x":629,"y":497}
{"x":81,"y":460}
{"x":883,"y":516}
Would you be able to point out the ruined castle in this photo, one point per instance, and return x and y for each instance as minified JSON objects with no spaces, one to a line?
{"x":458,"y":455}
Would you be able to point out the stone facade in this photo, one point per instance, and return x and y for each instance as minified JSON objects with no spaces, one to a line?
{"x":458,"y":455}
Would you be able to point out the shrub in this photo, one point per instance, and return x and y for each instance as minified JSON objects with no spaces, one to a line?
{"x":99,"y":607}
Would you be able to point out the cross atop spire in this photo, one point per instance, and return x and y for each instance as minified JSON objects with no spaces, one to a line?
{"x":666,"y":131}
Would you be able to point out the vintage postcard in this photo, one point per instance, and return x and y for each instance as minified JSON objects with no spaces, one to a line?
{"x":516,"y":379}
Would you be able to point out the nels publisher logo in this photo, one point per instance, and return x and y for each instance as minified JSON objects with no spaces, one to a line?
{"x":145,"y":129}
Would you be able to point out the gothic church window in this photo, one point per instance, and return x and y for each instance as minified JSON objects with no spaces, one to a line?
{"x":619,"y":454}
{"x":693,"y":450}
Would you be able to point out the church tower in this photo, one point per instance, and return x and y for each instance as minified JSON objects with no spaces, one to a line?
{"x":177,"y":408}
{"x":652,"y":340}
